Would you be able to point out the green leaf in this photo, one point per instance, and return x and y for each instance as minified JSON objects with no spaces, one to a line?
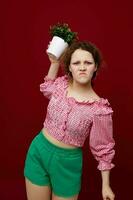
{"x":63,"y":31}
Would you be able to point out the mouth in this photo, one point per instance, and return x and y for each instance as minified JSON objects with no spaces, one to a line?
{"x":82,"y":73}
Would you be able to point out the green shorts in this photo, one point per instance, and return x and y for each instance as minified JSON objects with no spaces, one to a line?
{"x":49,"y":164}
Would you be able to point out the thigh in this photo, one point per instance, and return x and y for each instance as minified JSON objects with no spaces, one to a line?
{"x":55,"y":197}
{"x":36,"y":192}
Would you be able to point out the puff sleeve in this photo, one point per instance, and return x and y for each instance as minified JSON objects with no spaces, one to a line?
{"x":101,"y":138}
{"x":50,"y":85}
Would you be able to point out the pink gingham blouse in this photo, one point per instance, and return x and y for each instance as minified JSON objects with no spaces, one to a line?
{"x":72,"y":121}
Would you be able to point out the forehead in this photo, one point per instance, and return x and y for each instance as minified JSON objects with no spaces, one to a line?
{"x":81,"y":54}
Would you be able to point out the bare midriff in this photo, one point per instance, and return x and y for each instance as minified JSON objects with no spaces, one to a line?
{"x":55,"y":141}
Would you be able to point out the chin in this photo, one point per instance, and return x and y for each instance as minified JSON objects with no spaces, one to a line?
{"x":83,"y":81}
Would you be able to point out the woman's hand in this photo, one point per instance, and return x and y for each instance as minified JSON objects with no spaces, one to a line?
{"x":107,"y":193}
{"x":53,"y":59}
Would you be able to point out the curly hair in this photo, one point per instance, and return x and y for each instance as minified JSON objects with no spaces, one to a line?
{"x":87,"y":46}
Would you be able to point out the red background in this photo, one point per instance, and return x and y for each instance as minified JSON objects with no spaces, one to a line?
{"x":23,"y":40}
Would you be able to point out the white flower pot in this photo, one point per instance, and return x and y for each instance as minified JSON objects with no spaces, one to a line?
{"x":57,"y":46}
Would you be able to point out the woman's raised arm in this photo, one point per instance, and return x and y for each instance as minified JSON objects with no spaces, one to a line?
{"x":54,"y":67}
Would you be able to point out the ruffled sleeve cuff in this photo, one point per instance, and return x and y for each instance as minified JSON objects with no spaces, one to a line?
{"x":47,"y":87}
{"x":50,"y":85}
{"x":105,"y":166}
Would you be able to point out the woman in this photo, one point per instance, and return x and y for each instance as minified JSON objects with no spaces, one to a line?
{"x":53,"y":167}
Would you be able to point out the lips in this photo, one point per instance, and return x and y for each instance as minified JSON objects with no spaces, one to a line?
{"x":82,"y":74}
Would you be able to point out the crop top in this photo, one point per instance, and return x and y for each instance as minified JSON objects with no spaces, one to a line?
{"x":72,"y":121}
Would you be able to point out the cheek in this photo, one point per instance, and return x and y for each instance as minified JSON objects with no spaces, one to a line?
{"x":74,"y":70}
{"x":91,"y":70}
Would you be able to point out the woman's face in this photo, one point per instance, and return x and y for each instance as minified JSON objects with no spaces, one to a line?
{"x":82,"y":66}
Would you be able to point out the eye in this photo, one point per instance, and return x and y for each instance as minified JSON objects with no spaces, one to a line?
{"x":88,"y":62}
{"x":76,"y":63}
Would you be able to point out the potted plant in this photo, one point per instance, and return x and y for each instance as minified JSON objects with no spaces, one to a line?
{"x":62,"y":37}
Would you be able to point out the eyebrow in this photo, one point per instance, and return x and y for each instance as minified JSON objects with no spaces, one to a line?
{"x":84,"y":61}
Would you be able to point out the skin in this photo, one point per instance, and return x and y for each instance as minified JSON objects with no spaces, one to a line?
{"x":36,"y":192}
{"x":81,"y":61}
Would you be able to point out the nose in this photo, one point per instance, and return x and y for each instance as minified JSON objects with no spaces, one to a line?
{"x":82,"y":67}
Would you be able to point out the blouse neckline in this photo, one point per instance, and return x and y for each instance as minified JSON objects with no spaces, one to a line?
{"x":101,"y":100}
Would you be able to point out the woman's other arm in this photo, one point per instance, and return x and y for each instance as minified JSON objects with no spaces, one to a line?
{"x":107,"y":192}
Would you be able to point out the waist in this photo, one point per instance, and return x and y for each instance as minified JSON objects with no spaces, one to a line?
{"x":55,"y":141}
